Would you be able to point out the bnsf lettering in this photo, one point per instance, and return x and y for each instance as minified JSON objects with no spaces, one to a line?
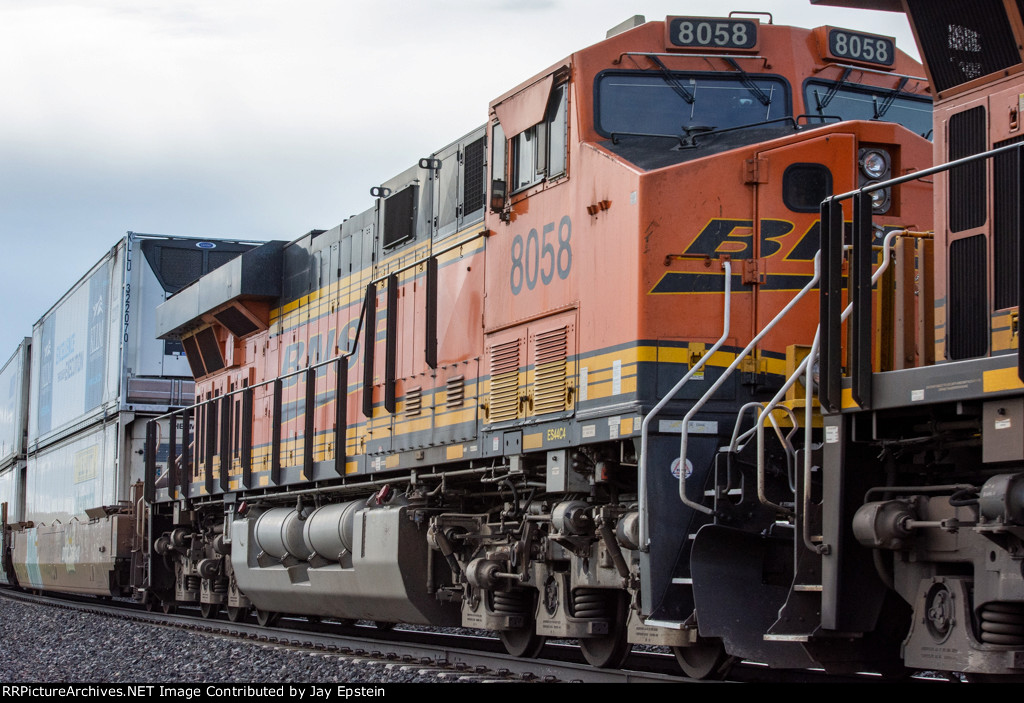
{"x":735,"y":238}
{"x":537,"y":259}
{"x":556,"y":433}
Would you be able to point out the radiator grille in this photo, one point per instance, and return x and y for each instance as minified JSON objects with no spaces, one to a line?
{"x":963,"y":40}
{"x":1007,"y":228}
{"x":504,"y":397}
{"x":967,"y":334}
{"x":549,"y":371}
{"x":967,"y":183}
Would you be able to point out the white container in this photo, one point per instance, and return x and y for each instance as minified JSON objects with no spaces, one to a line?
{"x":95,"y":352}
{"x":14,"y":405}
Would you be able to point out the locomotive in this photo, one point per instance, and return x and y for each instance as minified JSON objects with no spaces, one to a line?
{"x":466,"y":405}
{"x":559,"y":381}
{"x":927,"y":462}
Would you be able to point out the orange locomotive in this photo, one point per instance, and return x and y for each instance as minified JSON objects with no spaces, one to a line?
{"x":506,"y":330}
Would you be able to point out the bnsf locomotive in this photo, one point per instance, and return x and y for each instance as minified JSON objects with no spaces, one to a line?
{"x":557,"y":382}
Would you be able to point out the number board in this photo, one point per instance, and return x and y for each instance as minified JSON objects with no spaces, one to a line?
{"x":844,"y":45}
{"x":711,"y":33}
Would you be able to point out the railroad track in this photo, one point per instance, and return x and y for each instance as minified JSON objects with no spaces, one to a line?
{"x":444,"y":655}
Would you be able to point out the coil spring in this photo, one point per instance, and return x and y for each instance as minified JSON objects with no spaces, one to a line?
{"x":509,"y":602}
{"x":219,"y":586}
{"x":591,"y":603}
{"x":1002,"y":623}
{"x":192,"y":583}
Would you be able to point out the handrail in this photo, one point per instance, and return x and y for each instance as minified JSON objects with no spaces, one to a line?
{"x":684,"y":439}
{"x":645,"y":425}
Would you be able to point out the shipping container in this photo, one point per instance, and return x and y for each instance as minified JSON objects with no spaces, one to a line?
{"x":14,"y":406}
{"x":96,"y":348}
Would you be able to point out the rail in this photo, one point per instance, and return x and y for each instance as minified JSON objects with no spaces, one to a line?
{"x":684,"y":438}
{"x":859,"y":283}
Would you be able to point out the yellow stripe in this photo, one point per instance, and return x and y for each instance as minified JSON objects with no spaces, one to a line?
{"x":1001,"y":380}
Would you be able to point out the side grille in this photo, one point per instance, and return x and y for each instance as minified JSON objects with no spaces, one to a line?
{"x":455,"y":392}
{"x":504,"y":397}
{"x":549,"y":371}
{"x":963,"y":40}
{"x":967,"y":330}
{"x":967,"y":183}
{"x":1007,"y":226}
{"x":413,"y":401}
{"x":473,"y":188}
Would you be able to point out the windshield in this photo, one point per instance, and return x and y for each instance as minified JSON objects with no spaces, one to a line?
{"x":856,"y":102}
{"x":670,"y":103}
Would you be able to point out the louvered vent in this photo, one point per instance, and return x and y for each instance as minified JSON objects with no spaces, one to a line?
{"x":549,"y":371}
{"x":1007,"y":225}
{"x":962,"y":41}
{"x":413,"y":401}
{"x":473,"y":189}
{"x":967,"y":331}
{"x":504,"y":400}
{"x":455,"y":392}
{"x":967,"y":183}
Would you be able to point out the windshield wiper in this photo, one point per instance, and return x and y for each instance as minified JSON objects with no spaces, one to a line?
{"x":889,"y":100}
{"x":823,"y":103}
{"x":673,"y":82}
{"x":752,"y":87}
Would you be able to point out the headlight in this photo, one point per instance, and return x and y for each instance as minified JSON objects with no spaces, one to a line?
{"x":879,"y":199}
{"x":874,"y":163}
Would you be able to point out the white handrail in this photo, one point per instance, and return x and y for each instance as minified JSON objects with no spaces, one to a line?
{"x":684,"y":439}
{"x":642,"y":467}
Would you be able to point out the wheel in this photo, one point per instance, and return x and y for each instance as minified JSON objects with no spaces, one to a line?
{"x":523,"y":641}
{"x":237,"y":614}
{"x":705,"y":659}
{"x":209,"y":610}
{"x":267,"y":618}
{"x":384,"y":626}
{"x":169,"y":607}
{"x":609,"y":651}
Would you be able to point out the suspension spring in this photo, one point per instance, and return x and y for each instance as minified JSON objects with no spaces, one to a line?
{"x":510,"y":602}
{"x":192,"y":583}
{"x":1002,"y":623}
{"x":591,"y":603}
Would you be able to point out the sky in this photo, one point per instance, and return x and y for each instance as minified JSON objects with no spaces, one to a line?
{"x":256,"y":119}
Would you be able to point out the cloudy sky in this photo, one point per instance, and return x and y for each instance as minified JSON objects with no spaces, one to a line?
{"x":255,"y":119}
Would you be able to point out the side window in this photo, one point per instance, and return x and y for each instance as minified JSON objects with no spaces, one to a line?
{"x":539,"y":152}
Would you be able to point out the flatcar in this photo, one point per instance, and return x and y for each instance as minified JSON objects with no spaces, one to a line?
{"x":74,"y":402}
{"x":527,"y":391}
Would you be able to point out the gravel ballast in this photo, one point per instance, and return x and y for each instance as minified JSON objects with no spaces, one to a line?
{"x":39,"y":644}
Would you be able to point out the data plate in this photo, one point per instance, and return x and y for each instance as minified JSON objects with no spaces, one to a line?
{"x":711,"y":33}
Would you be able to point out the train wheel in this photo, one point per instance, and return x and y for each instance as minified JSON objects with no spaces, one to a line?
{"x":209,"y":610}
{"x":523,"y":641}
{"x":384,"y":626}
{"x":706,"y":659}
{"x":169,"y":607}
{"x":267,"y":618}
{"x":237,"y":614}
{"x":609,"y":651}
